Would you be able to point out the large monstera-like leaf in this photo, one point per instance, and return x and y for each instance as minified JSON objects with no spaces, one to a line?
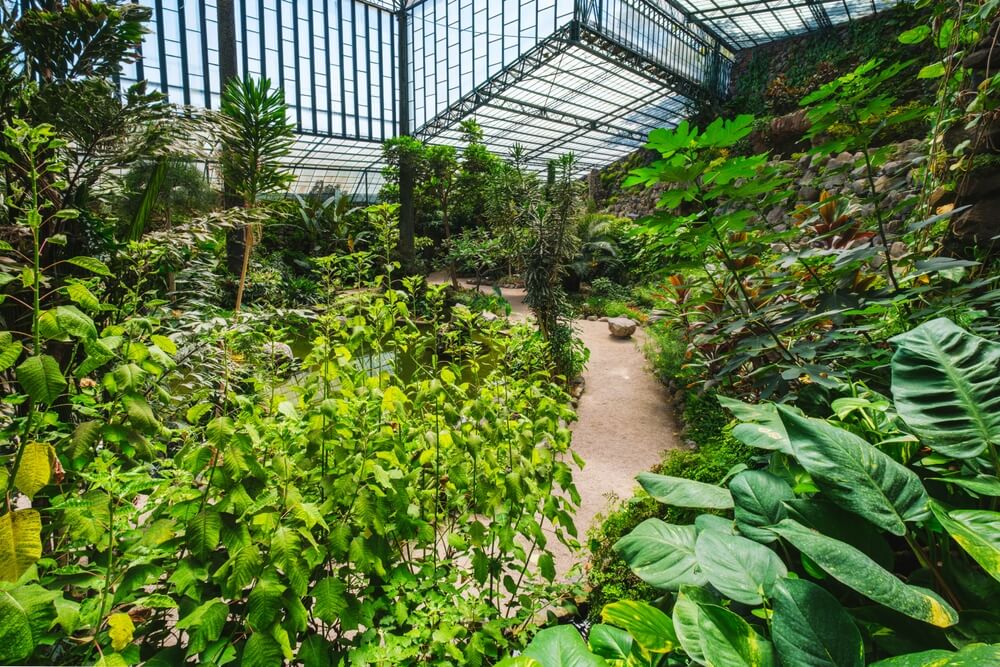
{"x":946,"y":387}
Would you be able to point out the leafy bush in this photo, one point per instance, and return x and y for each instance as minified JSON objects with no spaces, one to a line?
{"x":606,"y":288}
{"x":825,"y":556}
{"x":666,"y":350}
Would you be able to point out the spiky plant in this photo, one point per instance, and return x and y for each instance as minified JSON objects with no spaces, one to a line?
{"x":255,"y":136}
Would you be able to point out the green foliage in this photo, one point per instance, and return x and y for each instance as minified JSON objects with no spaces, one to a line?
{"x":255,"y":136}
{"x":802,"y":557}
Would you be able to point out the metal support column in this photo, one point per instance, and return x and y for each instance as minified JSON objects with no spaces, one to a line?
{"x":407,"y":175}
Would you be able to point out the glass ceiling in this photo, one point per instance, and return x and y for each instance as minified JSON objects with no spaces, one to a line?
{"x":591,"y":77}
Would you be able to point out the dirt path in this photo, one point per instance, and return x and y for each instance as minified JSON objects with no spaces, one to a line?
{"x":624,"y":421}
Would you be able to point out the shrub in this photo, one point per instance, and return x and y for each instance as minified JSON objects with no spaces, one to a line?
{"x":609,"y":289}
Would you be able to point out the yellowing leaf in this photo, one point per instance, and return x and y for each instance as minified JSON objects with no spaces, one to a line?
{"x":20,"y":542}
{"x":393,"y":399}
{"x":120,"y":629}
{"x":34,"y":472}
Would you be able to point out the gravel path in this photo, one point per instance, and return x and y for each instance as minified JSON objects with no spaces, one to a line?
{"x":624,"y":425}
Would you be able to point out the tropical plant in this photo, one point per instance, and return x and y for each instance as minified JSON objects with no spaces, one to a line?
{"x":255,"y":136}
{"x":553,"y":245}
{"x":837,"y":545}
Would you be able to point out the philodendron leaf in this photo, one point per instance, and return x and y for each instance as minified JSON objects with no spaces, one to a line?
{"x":729,"y":641}
{"x":945,"y":387}
{"x":561,"y":646}
{"x":856,"y":475}
{"x":661,"y":554}
{"x":739,"y":568}
{"x":681,"y":492}
{"x":759,"y":498}
{"x":811,"y":629}
{"x":761,"y":427}
{"x":650,"y":628}
{"x":976,"y":531}
{"x":856,"y":570}
{"x":974,"y":655}
{"x":687,"y":609}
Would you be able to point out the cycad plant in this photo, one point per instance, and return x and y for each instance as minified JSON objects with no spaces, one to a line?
{"x":256,"y":135}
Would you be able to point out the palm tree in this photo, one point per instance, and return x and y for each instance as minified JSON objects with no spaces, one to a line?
{"x":599,"y":253}
{"x":255,"y":136}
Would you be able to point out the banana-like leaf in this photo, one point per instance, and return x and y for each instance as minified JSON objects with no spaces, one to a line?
{"x":856,"y":475}
{"x":856,"y":570}
{"x":946,"y":388}
{"x":976,"y":531}
{"x":661,"y":554}
{"x":811,"y":629}
{"x":681,"y":492}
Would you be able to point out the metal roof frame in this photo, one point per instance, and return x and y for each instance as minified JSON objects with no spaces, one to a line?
{"x":588,"y":76}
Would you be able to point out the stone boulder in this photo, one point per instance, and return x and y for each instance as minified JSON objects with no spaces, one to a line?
{"x":279,"y":353}
{"x":621,"y":327}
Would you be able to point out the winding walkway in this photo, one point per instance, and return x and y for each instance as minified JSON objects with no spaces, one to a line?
{"x":624,"y":421}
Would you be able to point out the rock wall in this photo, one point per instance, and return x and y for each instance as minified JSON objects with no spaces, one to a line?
{"x":843,"y":175}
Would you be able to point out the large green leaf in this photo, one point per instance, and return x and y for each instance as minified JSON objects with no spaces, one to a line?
{"x":610,"y":642}
{"x":739,"y":568}
{"x":651,"y":628}
{"x":20,"y":542}
{"x":856,"y":475}
{"x":261,"y":650}
{"x":10,"y":350}
{"x":331,"y":599}
{"x":681,"y":492}
{"x":661,"y":554}
{"x":16,"y":642}
{"x":561,"y":646}
{"x":729,"y":641}
{"x":41,"y":378}
{"x":976,"y":655}
{"x":811,"y":629}
{"x":759,"y":498}
{"x":203,"y":532}
{"x":976,"y":531}
{"x":945,"y":386}
{"x":856,"y":570}
{"x":35,"y":468}
{"x":687,"y":609}
{"x":264,"y":603}
{"x":761,"y":427}
{"x":836,"y":522}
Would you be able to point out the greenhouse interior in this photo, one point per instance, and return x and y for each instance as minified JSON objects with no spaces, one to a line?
{"x":515,"y":333}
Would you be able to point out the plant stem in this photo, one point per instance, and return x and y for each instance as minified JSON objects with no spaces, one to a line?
{"x":926,"y":562}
